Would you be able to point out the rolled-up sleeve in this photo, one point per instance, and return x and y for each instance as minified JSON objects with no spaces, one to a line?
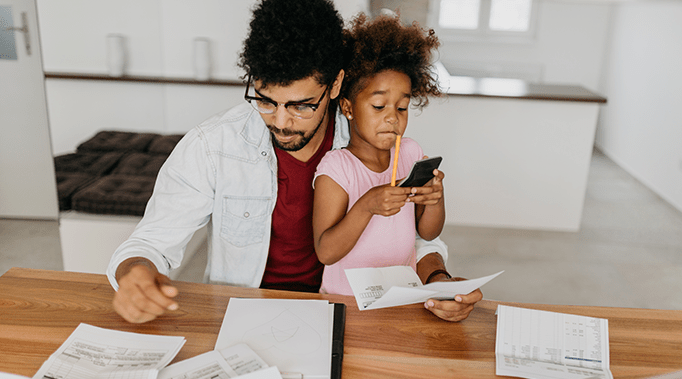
{"x":425,"y":248}
{"x":182,"y":202}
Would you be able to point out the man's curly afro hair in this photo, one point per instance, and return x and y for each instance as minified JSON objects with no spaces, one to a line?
{"x":291,"y":40}
{"x":384,"y":43}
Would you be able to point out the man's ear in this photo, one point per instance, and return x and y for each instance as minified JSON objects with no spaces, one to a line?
{"x":336,"y":87}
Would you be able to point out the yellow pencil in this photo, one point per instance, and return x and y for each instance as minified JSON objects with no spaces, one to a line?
{"x":395,"y":160}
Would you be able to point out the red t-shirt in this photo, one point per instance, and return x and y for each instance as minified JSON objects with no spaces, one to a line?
{"x":292,"y":262}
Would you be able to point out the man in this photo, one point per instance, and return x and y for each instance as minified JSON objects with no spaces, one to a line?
{"x":247,"y":172}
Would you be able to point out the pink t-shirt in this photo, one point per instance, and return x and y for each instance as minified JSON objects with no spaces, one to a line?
{"x":386,"y":241}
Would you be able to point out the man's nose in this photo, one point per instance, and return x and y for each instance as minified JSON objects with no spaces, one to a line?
{"x":283,"y":118}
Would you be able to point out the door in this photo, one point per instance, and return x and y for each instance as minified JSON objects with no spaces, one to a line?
{"x":27,"y":180}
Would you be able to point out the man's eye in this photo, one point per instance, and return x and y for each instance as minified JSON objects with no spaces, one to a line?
{"x":302,"y":108}
{"x":265,"y":104}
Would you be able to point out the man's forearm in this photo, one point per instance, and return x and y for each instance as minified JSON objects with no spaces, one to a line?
{"x":429,"y":264}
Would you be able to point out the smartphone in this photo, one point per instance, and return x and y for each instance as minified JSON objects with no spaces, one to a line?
{"x":421,"y":172}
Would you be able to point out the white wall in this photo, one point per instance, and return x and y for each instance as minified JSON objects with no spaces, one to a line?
{"x":641,"y":126}
{"x":159,"y":35}
{"x":568,"y":46}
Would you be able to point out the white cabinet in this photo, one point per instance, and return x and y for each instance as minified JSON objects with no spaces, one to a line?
{"x":514,"y":155}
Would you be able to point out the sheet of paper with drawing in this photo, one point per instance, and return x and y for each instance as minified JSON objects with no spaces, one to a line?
{"x":382,"y":287}
{"x":550,"y":345}
{"x":294,"y":335}
{"x":92,"y":352}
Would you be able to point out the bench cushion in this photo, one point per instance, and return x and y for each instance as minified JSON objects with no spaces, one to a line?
{"x":115,"y":195}
{"x":164,"y":144}
{"x":69,"y":183}
{"x":140,"y":164}
{"x":87,"y":162}
{"x":117,"y":171}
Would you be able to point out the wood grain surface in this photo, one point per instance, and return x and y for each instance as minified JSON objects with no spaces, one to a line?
{"x":39,"y":310}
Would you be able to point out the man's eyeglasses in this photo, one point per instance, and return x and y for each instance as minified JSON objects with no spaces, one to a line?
{"x":268,"y":106}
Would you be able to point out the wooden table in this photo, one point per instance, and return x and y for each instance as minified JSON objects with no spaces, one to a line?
{"x":39,"y":310}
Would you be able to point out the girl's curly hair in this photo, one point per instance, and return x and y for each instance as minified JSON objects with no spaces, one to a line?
{"x":293,"y":40}
{"x":384,"y":43}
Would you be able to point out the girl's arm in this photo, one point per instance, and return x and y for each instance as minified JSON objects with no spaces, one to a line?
{"x":430,"y":213}
{"x":336,"y":232}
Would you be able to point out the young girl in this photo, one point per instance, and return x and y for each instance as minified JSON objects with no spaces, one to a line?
{"x":359,"y":219}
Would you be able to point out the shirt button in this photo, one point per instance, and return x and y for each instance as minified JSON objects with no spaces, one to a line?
{"x":246,"y":214}
{"x":263,"y":153}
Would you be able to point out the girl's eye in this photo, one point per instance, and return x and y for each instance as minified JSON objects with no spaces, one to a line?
{"x":402,"y":109}
{"x":378,"y":107}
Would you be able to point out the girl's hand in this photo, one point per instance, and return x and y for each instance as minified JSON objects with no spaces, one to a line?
{"x":431,"y":193}
{"x":385,"y":200}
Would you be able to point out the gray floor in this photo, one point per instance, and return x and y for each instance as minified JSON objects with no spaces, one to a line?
{"x":627,"y":254}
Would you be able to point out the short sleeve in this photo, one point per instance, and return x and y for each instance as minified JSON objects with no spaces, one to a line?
{"x":335,"y":165}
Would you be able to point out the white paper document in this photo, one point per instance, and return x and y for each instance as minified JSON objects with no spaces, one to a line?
{"x":382,"y":287}
{"x":92,"y":352}
{"x":5,"y":375}
{"x":294,"y":335}
{"x":242,"y":359}
{"x":232,"y":362}
{"x":539,"y":344}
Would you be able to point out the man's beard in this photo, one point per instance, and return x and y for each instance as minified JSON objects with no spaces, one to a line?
{"x":295,"y":145}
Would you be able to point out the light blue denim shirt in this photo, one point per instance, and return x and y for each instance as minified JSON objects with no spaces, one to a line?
{"x":222,"y":173}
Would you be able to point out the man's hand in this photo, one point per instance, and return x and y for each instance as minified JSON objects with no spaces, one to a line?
{"x":143,"y":292}
{"x":456,"y":310}
{"x":450,"y":310}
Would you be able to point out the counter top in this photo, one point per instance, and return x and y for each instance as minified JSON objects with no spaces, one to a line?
{"x":455,"y":86}
{"x":517,"y":89}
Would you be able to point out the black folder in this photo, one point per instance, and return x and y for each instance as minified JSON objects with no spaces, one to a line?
{"x":337,"y":339}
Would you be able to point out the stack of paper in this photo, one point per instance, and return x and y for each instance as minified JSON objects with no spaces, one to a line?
{"x":294,"y":335}
{"x":382,"y":287}
{"x":92,"y":352}
{"x":540,"y":344}
{"x":300,"y":337}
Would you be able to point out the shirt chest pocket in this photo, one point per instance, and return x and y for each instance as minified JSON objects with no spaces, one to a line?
{"x":244,"y":220}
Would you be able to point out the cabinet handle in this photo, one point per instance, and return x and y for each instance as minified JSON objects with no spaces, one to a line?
{"x":24,"y":29}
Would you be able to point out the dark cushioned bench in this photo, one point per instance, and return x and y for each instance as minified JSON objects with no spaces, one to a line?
{"x":113,"y":172}
{"x":114,"y":195}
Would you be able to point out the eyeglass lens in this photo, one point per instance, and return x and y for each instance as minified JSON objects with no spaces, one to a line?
{"x":299,"y":110}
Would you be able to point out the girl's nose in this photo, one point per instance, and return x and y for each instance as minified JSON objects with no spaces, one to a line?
{"x":392,"y":118}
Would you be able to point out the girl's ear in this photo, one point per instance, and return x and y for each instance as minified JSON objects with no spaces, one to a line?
{"x":346,"y":108}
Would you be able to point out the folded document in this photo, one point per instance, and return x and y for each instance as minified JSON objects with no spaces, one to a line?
{"x":385,"y":287}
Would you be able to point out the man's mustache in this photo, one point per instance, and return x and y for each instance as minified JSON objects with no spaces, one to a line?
{"x":283,"y":132}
